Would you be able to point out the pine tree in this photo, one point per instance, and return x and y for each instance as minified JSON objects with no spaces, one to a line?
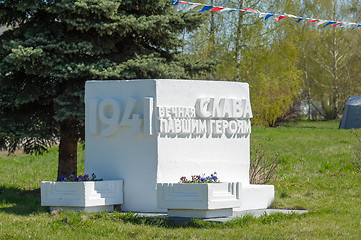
{"x":54,"y":46}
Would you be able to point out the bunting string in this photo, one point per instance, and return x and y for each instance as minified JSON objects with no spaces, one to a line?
{"x":266,"y":16}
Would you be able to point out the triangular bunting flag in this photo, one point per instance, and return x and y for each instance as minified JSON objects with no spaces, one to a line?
{"x":345,"y":25}
{"x":321,"y":22}
{"x":206,"y":8}
{"x":266,"y":16}
{"x":248,"y":10}
{"x":356,"y":27}
{"x":226,"y":9}
{"x":313,"y":20}
{"x":216,"y":9}
{"x":329,"y":23}
{"x":262,"y":15}
{"x":334,"y":25}
{"x":280,"y":17}
{"x":291,"y":16}
{"x":192,"y":5}
{"x":300,"y":19}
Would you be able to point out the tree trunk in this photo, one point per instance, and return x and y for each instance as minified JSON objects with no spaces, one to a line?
{"x":307,"y":84}
{"x":212,"y":34}
{"x":238,"y":42}
{"x":213,"y":39}
{"x":68,"y":148}
{"x":335,"y":59}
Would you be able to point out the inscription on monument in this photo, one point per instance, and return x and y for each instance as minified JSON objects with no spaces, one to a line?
{"x":207,"y":116}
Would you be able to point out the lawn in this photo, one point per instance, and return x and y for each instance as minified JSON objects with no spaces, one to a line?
{"x":317,"y":172}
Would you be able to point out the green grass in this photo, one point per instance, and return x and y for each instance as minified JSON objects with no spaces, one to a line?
{"x":317,"y":172}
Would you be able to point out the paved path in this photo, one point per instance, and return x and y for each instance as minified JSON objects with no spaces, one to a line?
{"x":255,"y":213}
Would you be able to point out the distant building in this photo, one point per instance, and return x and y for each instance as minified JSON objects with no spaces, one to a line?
{"x":314,"y":109}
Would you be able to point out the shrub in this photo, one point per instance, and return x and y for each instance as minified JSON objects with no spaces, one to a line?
{"x":261,"y":169}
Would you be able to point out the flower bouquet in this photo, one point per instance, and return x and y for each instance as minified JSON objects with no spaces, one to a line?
{"x":80,"y":178}
{"x":201,"y":179}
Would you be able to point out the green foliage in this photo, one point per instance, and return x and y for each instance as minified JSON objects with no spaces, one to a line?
{"x":247,"y":49}
{"x":53,"y":47}
{"x":333,"y":77}
{"x":330,"y":58}
{"x":283,"y":61}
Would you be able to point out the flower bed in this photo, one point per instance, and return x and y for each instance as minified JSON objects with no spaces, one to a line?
{"x":88,"y":196}
{"x":205,"y":200}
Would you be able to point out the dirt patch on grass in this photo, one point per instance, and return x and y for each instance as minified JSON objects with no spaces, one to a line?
{"x":19,"y":152}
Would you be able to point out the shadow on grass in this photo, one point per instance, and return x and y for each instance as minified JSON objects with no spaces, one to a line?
{"x":165,"y":222}
{"x":20,"y":202}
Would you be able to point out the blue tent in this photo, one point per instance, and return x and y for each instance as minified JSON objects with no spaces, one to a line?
{"x":352,"y":113}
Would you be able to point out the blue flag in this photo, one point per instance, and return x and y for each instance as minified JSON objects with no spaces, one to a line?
{"x":329,"y":23}
{"x":299,"y":20}
{"x":356,"y":27}
{"x":206,"y":8}
{"x":268,"y":16}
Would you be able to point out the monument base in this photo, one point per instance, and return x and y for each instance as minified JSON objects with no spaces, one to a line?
{"x":256,"y":197}
{"x":107,"y":208}
{"x":171,"y":128}
{"x":215,"y":213}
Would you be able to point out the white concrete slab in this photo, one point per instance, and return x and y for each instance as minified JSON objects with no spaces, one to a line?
{"x":156,"y":131}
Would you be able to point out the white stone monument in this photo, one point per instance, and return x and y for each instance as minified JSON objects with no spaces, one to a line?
{"x":156,"y":131}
